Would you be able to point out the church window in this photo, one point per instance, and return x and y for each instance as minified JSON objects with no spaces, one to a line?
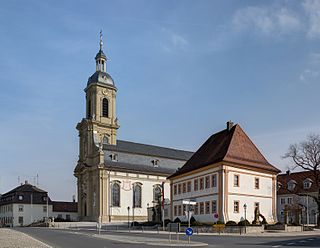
{"x":179,"y":210}
{"x":105,"y":107}
{"x":105,"y":140}
{"x":201,"y":183}
{"x":207,"y":182}
{"x":214,"y":181}
{"x":195,"y":184}
{"x":116,"y":194}
{"x":189,"y":186}
{"x":175,"y":189}
{"x":157,"y":194}
{"x":201,"y":208}
{"x":89,"y":110}
{"x":196,"y":209}
{"x":184,"y":188}
{"x":179,"y":188}
{"x":137,"y":191}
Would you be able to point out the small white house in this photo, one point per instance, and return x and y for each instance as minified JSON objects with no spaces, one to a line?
{"x":228,"y":178}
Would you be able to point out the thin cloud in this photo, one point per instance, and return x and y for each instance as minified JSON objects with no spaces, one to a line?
{"x":174,"y":40}
{"x":268,"y":21}
{"x":312,"y":10}
{"x":311,"y":74}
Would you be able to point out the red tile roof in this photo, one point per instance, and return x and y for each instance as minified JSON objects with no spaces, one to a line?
{"x":298,"y":177}
{"x":58,"y":206}
{"x":227,"y":146}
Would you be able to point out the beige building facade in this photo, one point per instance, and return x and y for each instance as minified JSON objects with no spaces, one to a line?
{"x":117,"y":180}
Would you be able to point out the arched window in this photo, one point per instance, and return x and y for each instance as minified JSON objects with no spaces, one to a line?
{"x":115,"y":194}
{"x":157,"y":194}
{"x":105,"y":140}
{"x":105,"y":107}
{"x":137,"y":190}
{"x":89,"y":109}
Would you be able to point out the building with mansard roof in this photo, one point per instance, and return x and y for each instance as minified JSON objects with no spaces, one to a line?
{"x":296,"y":193}
{"x":228,"y":179}
{"x":27,"y":204}
{"x":117,"y":179}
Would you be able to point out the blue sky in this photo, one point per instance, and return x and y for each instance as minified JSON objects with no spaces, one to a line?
{"x":182,"y":68}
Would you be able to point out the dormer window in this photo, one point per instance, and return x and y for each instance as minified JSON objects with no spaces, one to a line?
{"x":279,"y":185}
{"x":307,"y":183}
{"x":155,"y":162}
{"x":114,"y":157}
{"x":291,"y":185}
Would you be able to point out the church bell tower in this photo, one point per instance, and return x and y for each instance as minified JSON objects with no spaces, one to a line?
{"x":101,"y":123}
{"x":98,"y":128}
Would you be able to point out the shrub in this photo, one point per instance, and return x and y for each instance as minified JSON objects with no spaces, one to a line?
{"x":135,"y":223}
{"x":219,"y":222}
{"x":166,"y":222}
{"x":264,"y":222}
{"x":192,"y":220}
{"x":231,"y":223}
{"x":244,"y":223}
{"x":177,"y":220}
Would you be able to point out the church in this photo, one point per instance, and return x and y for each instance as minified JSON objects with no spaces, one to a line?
{"x":118,"y":180}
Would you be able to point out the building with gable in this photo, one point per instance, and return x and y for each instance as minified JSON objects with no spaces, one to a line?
{"x":295,"y":203}
{"x":27,"y":204}
{"x":228,"y":178}
{"x":117,"y":179}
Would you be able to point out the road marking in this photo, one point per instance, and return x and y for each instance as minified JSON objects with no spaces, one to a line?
{"x":275,"y":246}
{"x":303,"y":241}
{"x":292,"y":243}
{"x":310,"y":239}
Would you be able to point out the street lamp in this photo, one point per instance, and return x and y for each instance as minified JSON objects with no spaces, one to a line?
{"x":245,"y":217}
{"x":128,"y":216}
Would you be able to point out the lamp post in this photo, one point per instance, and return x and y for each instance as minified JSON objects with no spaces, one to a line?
{"x":245,"y":217}
{"x":128,"y":217}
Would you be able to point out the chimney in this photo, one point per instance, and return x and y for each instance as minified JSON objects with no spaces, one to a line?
{"x":26,"y":182}
{"x":229,"y":125}
{"x":73,"y":198}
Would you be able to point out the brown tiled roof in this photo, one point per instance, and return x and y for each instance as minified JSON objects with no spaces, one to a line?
{"x":59,"y":206}
{"x":227,"y":146}
{"x":298,"y":177}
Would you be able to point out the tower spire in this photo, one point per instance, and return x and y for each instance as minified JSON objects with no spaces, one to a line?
{"x":101,"y":42}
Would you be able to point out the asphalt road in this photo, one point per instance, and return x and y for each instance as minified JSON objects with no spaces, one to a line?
{"x":85,"y":238}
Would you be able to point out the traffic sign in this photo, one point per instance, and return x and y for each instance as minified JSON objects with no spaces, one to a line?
{"x":189,"y":231}
{"x":216,"y":215}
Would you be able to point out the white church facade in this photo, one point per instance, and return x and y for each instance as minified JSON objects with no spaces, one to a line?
{"x":117,"y":180}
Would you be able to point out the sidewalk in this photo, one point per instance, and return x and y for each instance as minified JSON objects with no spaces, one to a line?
{"x":149,"y":241}
{"x":12,"y":238}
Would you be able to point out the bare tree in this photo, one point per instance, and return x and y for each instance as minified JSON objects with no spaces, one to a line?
{"x":306,"y":155}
